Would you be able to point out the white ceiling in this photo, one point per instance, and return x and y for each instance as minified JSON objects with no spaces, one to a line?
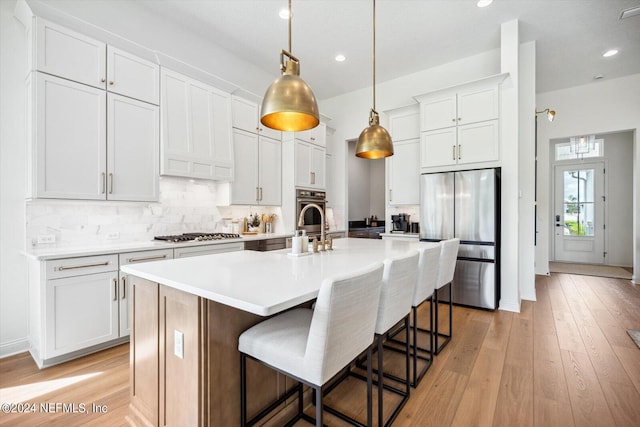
{"x":412,"y":35}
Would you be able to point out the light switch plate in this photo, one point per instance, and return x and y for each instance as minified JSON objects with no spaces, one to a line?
{"x":178,"y":344}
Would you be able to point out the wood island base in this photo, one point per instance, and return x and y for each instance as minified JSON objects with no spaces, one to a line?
{"x":201,"y":388}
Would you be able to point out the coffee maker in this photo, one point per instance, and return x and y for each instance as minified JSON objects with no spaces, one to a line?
{"x":400,"y":223}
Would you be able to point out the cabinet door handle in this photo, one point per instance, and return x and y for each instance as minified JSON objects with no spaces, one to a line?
{"x":103,"y":80}
{"x":115,"y":289}
{"x":260,"y":193}
{"x":313,"y":139}
{"x":111,"y":82}
{"x":124,"y":288}
{"x":459,"y":119}
{"x":453,"y":152}
{"x":390,"y":194}
{"x":73,"y":267}
{"x":257,"y":194}
{"x":104,"y":182}
{"x":146,"y":258}
{"x":459,"y":151}
{"x":111,"y":183}
{"x":313,"y":177}
{"x":453,"y":120}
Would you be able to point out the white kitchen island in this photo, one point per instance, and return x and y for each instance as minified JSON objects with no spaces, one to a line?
{"x":188,"y":314}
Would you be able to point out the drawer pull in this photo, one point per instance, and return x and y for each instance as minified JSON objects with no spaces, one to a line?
{"x":115,"y":289}
{"x":73,"y":267}
{"x":124,"y":288}
{"x":147,"y":258}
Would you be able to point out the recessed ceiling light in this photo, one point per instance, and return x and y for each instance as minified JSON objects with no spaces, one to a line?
{"x":340,"y":58}
{"x":610,"y":52}
{"x":284,"y":14}
{"x":484,"y":3}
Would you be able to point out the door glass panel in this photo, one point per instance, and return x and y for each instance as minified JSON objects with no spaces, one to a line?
{"x":579,"y":202}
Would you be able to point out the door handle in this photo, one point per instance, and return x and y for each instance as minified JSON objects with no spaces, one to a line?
{"x":115,"y":289}
{"x":453,"y":152}
{"x":104,"y":182}
{"x":111,"y":182}
{"x":459,"y":152}
{"x":124,"y":288}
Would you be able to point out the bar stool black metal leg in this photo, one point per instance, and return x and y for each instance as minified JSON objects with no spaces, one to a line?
{"x":380,"y":382}
{"x":243,"y":390}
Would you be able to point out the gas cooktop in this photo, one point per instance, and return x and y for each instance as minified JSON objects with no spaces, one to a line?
{"x":197,"y":237}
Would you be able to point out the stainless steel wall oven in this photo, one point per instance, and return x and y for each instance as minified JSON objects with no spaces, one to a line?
{"x":312,"y":218}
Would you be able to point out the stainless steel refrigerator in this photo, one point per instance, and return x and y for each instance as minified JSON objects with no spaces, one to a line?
{"x":466,"y":204}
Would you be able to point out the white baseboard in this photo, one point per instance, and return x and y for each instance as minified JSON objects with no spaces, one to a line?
{"x":14,"y":347}
{"x":513,"y":306}
{"x":529,"y":296}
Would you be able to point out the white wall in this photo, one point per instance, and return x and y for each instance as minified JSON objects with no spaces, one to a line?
{"x":13,"y":269}
{"x":376,"y":188}
{"x":526,"y":171}
{"x":366,"y":186}
{"x":601,"y":107}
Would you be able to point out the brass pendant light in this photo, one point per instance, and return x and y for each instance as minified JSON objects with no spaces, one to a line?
{"x":374,"y":142}
{"x":289,"y":103}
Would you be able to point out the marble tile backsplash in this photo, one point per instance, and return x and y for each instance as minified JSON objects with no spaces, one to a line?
{"x":185,"y":205}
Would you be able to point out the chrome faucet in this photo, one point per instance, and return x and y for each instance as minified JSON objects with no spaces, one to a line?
{"x":301,"y":221}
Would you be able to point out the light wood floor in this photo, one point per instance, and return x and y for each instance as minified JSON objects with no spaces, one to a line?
{"x":564,"y":360}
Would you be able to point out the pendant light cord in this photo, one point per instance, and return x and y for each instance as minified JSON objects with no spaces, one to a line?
{"x":374,"y":55}
{"x":290,"y":17}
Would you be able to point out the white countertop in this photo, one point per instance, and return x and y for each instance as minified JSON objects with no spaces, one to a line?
{"x":265,"y":283}
{"x":44,"y":254}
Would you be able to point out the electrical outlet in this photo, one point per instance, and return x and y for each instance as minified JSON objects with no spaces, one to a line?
{"x":46,"y":238}
{"x":178,"y":344}
{"x":113,"y":235}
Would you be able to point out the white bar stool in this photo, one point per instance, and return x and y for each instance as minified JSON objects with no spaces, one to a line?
{"x":398,"y":283}
{"x":312,"y":346}
{"x":448,"y":259}
{"x":427,"y":276}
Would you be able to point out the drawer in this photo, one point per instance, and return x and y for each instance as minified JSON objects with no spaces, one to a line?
{"x":145,"y":256}
{"x":67,"y":267}
{"x":208,"y":249}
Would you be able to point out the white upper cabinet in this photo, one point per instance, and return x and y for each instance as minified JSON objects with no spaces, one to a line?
{"x":196,"y":140}
{"x":310,"y":165}
{"x":69,"y":156}
{"x":91,"y":136}
{"x":65,"y":53}
{"x":132,"y":76}
{"x":403,"y":168}
{"x":316,"y":135}
{"x":258,"y":170}
{"x":132,"y":149}
{"x":460,"y":126}
{"x":246,"y":116}
{"x":88,"y":144}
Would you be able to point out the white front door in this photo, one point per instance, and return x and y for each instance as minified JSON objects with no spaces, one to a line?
{"x":579,"y":213}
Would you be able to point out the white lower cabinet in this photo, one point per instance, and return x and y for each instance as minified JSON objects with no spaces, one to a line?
{"x":73,"y":307}
{"x":124,"y":287}
{"x":82,"y":311}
